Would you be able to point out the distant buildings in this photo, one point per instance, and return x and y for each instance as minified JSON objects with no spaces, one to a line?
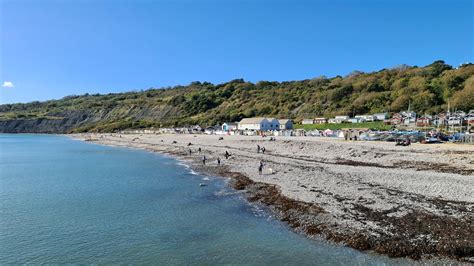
{"x":424,"y":121}
{"x":380,"y":116}
{"x":265,"y":124}
{"x":470,"y":118}
{"x":355,"y":120}
{"x":365,"y":118}
{"x":342,"y":117}
{"x":259,"y":123}
{"x":338,"y":119}
{"x":320,"y":120}
{"x":405,"y":118}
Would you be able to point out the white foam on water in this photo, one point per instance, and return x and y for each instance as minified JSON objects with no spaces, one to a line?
{"x":193,"y":172}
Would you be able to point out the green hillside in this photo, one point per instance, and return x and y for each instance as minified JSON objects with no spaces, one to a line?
{"x":388,"y":90}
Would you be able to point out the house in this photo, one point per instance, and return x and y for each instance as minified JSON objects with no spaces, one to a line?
{"x":455,"y":121}
{"x":365,"y":118}
{"x":380,"y":116}
{"x":354,"y":120}
{"x":409,"y":117}
{"x":338,"y":119}
{"x":335,"y":121}
{"x":307,"y":122}
{"x":396,"y":119}
{"x":459,"y":114}
{"x":424,"y":121}
{"x":285,"y":124}
{"x":226,"y":127}
{"x":342,"y":117}
{"x":440,"y":120}
{"x":320,"y":120}
{"x":259,"y":123}
{"x":470,"y":118}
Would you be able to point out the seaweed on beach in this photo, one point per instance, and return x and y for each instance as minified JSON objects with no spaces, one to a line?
{"x":416,"y":234}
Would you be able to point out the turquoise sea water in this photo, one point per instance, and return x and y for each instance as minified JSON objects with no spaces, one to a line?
{"x":67,"y":201}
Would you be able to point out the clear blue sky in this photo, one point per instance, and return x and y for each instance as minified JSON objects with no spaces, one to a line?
{"x":50,"y":49}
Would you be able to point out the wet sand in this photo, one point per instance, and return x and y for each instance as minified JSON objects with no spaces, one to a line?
{"x":415,"y":201}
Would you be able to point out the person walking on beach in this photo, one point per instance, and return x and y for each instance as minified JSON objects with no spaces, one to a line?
{"x":199,"y":150}
{"x":204,"y":159}
{"x":227,"y":155}
{"x":260,"y":168}
{"x":258,"y":148}
{"x":263,"y":150}
{"x":190,"y":152}
{"x":218,"y":161}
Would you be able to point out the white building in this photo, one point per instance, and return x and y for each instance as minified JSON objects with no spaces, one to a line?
{"x":338,"y":119}
{"x":342,"y":117}
{"x":380,"y":116}
{"x":285,"y":124}
{"x":307,"y":122}
{"x":355,"y":120}
{"x":320,"y":120}
{"x":409,"y":117}
{"x":259,"y":123}
{"x":365,"y":118}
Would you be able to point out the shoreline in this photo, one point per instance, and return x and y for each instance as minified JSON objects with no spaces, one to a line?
{"x":418,"y":225}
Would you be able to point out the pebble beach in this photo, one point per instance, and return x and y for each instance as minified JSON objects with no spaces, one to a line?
{"x":414,"y":201}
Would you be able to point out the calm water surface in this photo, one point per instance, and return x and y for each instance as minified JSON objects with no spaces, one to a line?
{"x":66,"y":201}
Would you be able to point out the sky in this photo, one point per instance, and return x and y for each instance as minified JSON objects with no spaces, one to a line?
{"x":53,"y":48}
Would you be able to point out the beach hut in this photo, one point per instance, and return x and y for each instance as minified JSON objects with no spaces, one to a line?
{"x":285,"y":124}
{"x":328,"y":133}
{"x":226,"y":127}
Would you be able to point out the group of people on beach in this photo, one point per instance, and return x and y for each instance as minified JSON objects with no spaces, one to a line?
{"x":227,"y":155}
{"x":204,"y":158}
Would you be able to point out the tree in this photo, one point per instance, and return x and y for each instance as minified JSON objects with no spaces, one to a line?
{"x":464,"y":99}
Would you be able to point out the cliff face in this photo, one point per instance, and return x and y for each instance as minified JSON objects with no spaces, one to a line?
{"x":68,"y":123}
{"x":34,"y":126}
{"x":92,"y":119}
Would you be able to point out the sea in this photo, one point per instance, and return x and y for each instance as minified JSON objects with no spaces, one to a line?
{"x":68,"y":201}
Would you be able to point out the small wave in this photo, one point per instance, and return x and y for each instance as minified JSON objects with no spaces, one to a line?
{"x":183,"y":164}
{"x":193,"y":172}
{"x":258,"y":211}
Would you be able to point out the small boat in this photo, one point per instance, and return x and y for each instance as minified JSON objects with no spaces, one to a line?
{"x":202,"y":185}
